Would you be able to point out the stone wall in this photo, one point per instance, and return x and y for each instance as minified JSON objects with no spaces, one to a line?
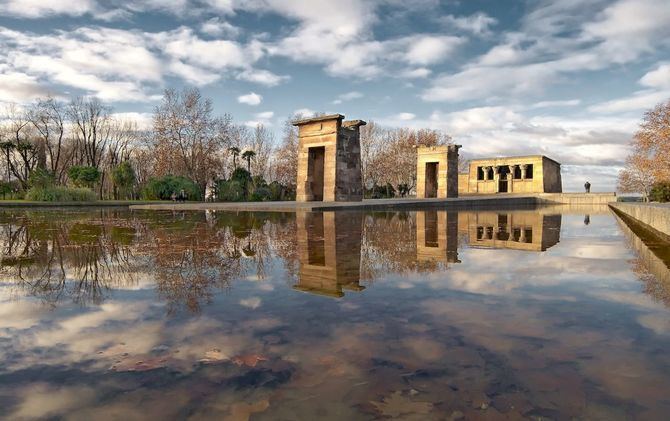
{"x":349,"y":182}
{"x":654,"y":216}
{"x":551,"y":176}
{"x":446,"y":159}
{"x":341,"y":178}
{"x":522,"y":174}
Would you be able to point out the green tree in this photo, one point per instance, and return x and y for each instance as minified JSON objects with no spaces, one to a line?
{"x":248,"y":155}
{"x":83,"y":176}
{"x":124,"y":178}
{"x":41,"y":178}
{"x":235,"y":151}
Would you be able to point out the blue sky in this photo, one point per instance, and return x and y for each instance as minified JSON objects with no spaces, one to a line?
{"x":569,"y":79}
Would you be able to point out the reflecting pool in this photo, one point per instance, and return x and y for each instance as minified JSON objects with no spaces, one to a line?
{"x":550,"y":313}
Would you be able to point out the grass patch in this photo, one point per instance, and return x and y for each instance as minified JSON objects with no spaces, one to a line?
{"x":60,"y":194}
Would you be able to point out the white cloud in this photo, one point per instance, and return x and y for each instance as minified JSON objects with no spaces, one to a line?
{"x":124,"y":65}
{"x":251,"y":98}
{"x":40,"y":8}
{"x":349,"y":96}
{"x":144,"y":120}
{"x":640,"y":100}
{"x":417,"y":73}
{"x":263,"y":119}
{"x":561,"y":103}
{"x":19,"y":87}
{"x":265,"y":115}
{"x":405,"y":116}
{"x":425,"y":49}
{"x":304,"y":113}
{"x":656,"y":81}
{"x":478,"y":23}
{"x":217,"y":28}
{"x":628,"y":28}
{"x":262,"y":77}
{"x":657,"y":78}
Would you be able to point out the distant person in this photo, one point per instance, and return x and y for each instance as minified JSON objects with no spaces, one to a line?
{"x":173,"y":196}
{"x":587,"y":187}
{"x":587,"y":219}
{"x":182,"y":195}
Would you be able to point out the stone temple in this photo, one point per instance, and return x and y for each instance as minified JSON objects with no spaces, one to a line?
{"x":516,"y":174}
{"x":437,"y":171}
{"x":329,"y":159}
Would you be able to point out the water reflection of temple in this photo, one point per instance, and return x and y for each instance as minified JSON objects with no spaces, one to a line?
{"x":529,"y":231}
{"x":329,"y":251}
{"x":437,"y":236}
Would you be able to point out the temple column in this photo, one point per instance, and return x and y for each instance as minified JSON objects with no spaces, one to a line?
{"x":496,"y":178}
{"x":510,"y":178}
{"x":523,"y":171}
{"x":485,"y":170}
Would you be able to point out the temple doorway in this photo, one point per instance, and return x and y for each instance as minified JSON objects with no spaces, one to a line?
{"x":431,"y":179}
{"x":315,"y":172}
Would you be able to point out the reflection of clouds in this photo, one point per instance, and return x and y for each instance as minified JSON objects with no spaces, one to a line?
{"x":538,"y":336}
{"x":40,"y":400}
{"x":658,"y":322}
{"x":20,"y":314}
{"x":609,"y":250}
{"x":265,"y":286}
{"x":559,"y":324}
{"x":252,"y":302}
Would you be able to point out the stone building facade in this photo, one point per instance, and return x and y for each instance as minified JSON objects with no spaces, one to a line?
{"x":329,"y":159}
{"x":437,"y":171}
{"x":519,"y":174}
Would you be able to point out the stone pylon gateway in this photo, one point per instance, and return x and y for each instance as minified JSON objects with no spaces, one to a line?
{"x":329,"y":159}
{"x":437,"y":171}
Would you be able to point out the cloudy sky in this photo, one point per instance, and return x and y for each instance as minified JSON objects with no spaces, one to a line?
{"x":565,"y":78}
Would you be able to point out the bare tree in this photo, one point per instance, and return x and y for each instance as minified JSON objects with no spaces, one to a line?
{"x":637,"y":176}
{"x":188,"y":139}
{"x":262,"y":144}
{"x":649,"y":161}
{"x":21,"y":153}
{"x":49,"y":117}
{"x":91,"y":128}
{"x":394,"y":160}
{"x":285,"y":163}
{"x":371,"y":139}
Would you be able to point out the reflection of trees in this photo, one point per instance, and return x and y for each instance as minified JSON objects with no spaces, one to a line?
{"x":195,"y":254}
{"x":389,"y":245}
{"x":55,"y":255}
{"x":188,"y":260}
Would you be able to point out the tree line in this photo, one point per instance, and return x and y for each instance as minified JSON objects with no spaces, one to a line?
{"x":81,"y":143}
{"x":647,"y":167}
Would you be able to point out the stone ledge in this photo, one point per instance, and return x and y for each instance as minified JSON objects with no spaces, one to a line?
{"x":655,"y":216}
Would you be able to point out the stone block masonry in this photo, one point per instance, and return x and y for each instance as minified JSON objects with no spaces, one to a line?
{"x":437,"y":171}
{"x":329,"y":159}
{"x":655,"y":216}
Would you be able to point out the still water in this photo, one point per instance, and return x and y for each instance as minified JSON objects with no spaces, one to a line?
{"x":552,"y":313}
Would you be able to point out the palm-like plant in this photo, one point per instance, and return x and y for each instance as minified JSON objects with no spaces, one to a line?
{"x":248,"y":154}
{"x":7,"y":147}
{"x":235,"y":151}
